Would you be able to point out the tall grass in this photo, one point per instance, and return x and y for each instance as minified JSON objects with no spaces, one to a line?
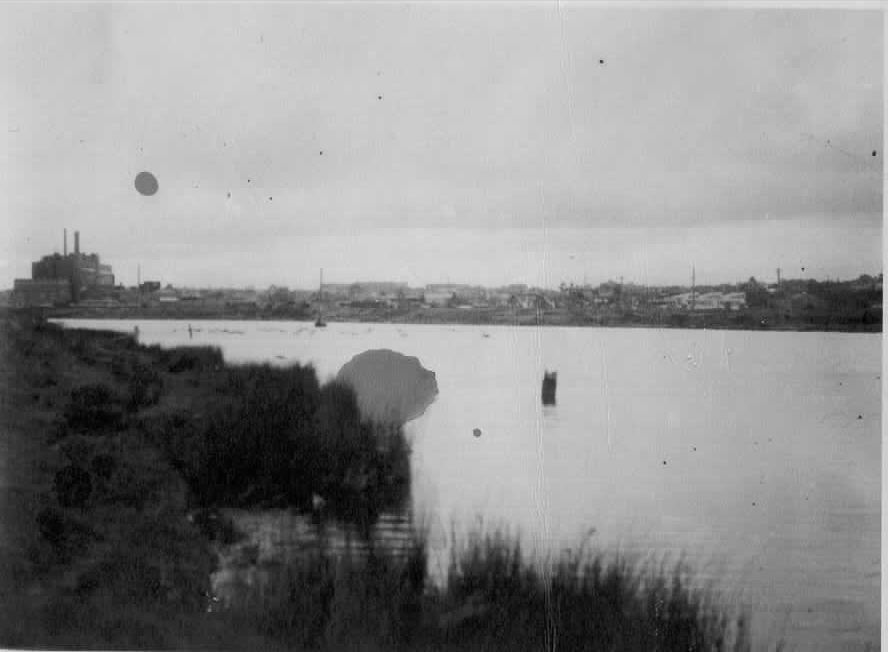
{"x":270,"y":435}
{"x":93,"y":409}
{"x":189,"y":358}
{"x":581,"y":601}
{"x":494,"y":598}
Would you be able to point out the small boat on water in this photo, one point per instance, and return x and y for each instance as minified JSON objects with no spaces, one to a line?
{"x":320,"y":323}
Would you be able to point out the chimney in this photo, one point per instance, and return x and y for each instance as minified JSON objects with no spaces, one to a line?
{"x":65,"y":249}
{"x":76,"y":243}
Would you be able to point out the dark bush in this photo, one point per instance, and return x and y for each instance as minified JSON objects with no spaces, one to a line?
{"x":257,"y":444}
{"x":131,"y":487}
{"x":72,"y":486}
{"x":193,"y":358}
{"x":216,"y":526}
{"x":130,"y":579}
{"x":496,"y":595}
{"x":145,"y":386}
{"x":51,"y":524}
{"x":122,"y":364}
{"x":93,"y":408}
{"x":176,"y":435}
{"x":275,"y":435}
{"x":67,"y":536}
{"x":103,"y":465}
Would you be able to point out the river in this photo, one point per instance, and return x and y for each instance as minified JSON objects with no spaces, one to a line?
{"x":757,"y":455}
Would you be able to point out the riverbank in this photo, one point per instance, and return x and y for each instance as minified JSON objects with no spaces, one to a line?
{"x":115,"y":454}
{"x":118,"y":451}
{"x":100,"y":547}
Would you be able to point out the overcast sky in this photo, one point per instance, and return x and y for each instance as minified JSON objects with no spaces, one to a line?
{"x":497,"y":143}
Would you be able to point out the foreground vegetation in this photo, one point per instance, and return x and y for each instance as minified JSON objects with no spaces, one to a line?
{"x":493,"y":598}
{"x":122,"y":452}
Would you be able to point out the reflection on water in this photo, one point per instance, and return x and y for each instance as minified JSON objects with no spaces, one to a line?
{"x":277,"y":536}
{"x":756,"y":454}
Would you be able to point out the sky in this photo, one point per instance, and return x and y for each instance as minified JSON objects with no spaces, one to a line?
{"x":532,"y":143}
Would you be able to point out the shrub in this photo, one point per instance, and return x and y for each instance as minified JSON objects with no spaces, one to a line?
{"x":276,"y":435}
{"x":121,"y":364}
{"x":494,"y":598}
{"x":322,"y":601}
{"x":72,"y":486}
{"x":577,"y":598}
{"x":216,"y":526}
{"x":192,"y":358}
{"x":255,"y":445}
{"x":103,"y":466}
{"x":145,"y":386}
{"x":93,"y":409}
{"x":68,"y":536}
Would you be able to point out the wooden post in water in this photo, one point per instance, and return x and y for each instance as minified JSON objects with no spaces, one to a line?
{"x":550,"y":383}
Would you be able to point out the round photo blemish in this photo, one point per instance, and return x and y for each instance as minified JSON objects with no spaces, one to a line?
{"x":146,"y":184}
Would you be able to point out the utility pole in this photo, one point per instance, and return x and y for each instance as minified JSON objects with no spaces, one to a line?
{"x":693,"y":288}
{"x":778,"y":277}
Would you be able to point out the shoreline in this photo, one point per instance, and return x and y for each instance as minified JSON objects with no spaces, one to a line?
{"x":748,"y":321}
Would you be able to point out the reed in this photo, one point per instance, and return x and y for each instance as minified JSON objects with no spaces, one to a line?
{"x":494,"y":598}
{"x":275,"y":435}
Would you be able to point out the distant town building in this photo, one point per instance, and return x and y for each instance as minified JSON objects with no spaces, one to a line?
{"x":531,"y":301}
{"x":515,"y":288}
{"x":150,"y":286}
{"x":705,"y":301}
{"x":364,"y":291}
{"x":438,"y":297}
{"x":734,"y":301}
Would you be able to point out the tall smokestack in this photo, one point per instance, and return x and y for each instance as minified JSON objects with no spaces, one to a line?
{"x":65,"y":248}
{"x":76,"y":243}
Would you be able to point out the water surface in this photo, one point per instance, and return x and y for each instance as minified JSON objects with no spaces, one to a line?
{"x":757,"y":454}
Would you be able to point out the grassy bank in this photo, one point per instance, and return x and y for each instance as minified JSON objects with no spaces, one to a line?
{"x":98,"y":550}
{"x":493,"y":599}
{"x":116,"y":453}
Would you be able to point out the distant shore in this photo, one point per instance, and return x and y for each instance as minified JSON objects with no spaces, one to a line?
{"x":869,"y":321}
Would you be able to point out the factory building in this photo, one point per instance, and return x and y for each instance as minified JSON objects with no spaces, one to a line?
{"x":61,"y":279}
{"x":46,"y":293}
